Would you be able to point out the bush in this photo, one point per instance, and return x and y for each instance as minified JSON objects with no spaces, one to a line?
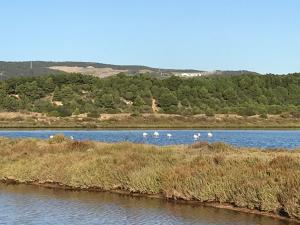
{"x":63,"y":111}
{"x":135,"y":114}
{"x":76,"y":112}
{"x":275,"y":109}
{"x":146,"y":109}
{"x":247,"y":111}
{"x":93,"y":114}
{"x":53,"y":113}
{"x":171,"y":110}
{"x":210,"y":113}
{"x":264,"y":116}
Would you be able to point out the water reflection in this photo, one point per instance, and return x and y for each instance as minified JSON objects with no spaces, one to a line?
{"x":32,"y":205}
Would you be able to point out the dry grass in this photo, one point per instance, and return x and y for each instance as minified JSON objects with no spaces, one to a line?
{"x":98,"y":72}
{"x":124,"y":120}
{"x":264,"y":180}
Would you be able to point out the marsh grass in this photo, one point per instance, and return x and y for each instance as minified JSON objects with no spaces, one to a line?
{"x":266,"y":180}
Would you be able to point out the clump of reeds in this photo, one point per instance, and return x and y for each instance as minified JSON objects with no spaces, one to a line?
{"x":199,"y":144}
{"x":250,"y":178}
{"x":59,"y":138}
{"x":80,"y":145}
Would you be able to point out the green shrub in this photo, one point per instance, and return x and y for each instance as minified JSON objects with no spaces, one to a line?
{"x":63,"y":111}
{"x":135,"y":114}
{"x":247,"y":111}
{"x":210,"y":113}
{"x":93,"y":114}
{"x":264,"y":116}
{"x":53,"y":113}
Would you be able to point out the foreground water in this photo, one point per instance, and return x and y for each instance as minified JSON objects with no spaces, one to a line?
{"x":33,"y":205}
{"x":239,"y":138}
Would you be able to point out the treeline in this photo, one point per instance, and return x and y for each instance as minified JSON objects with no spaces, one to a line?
{"x":71,"y":94}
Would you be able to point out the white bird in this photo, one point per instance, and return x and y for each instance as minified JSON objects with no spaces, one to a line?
{"x":156,"y":134}
{"x":51,"y":136}
{"x":196,"y":136}
{"x":209,"y":134}
{"x":145,"y":134}
{"x":199,"y":135}
{"x":71,"y":137}
{"x":169,"y":135}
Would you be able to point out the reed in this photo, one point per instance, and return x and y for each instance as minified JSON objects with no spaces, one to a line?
{"x":264,"y":180}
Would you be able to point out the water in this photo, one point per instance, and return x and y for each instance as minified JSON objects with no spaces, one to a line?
{"x":240,"y":138}
{"x":33,"y":205}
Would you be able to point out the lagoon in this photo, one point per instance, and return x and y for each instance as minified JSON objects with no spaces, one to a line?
{"x":32,"y":205}
{"x":239,"y":138}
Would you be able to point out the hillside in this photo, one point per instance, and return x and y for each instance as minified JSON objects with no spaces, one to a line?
{"x":37,"y":68}
{"x":73,"y":94}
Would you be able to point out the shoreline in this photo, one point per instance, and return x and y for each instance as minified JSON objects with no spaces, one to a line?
{"x":17,"y":120}
{"x":148,"y":128}
{"x":56,"y":185}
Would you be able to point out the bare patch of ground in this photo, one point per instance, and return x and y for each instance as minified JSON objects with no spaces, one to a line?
{"x":98,"y":72}
{"x":14,"y":115}
{"x":154,"y":106}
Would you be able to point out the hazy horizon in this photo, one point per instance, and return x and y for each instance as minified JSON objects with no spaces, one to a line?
{"x":105,"y":63}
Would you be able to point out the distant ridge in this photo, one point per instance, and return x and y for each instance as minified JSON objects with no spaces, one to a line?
{"x":23,"y":68}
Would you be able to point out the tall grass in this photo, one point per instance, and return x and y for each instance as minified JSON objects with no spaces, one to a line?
{"x":255,"y":179}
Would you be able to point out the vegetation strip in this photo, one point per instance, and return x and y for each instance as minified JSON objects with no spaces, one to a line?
{"x":63,"y":95}
{"x":251,"y":180}
{"x":58,"y":186}
{"x":155,"y":121}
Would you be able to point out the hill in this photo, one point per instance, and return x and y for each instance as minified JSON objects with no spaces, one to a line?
{"x":37,"y":68}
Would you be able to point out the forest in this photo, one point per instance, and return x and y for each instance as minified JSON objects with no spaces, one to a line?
{"x":63,"y":95}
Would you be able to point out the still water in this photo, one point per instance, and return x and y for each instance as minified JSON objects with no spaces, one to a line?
{"x":33,"y":205}
{"x":243,"y":138}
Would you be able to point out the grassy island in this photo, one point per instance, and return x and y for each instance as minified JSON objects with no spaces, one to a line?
{"x":251,"y":180}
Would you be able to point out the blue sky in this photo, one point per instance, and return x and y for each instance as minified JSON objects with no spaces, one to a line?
{"x":257,"y":35}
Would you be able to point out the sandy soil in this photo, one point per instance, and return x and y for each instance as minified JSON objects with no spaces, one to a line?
{"x":98,"y":72}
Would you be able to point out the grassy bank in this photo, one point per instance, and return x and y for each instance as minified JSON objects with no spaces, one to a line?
{"x":37,"y":120}
{"x":262,"y":181}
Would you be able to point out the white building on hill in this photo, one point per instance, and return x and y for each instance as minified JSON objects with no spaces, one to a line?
{"x":190,"y":74}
